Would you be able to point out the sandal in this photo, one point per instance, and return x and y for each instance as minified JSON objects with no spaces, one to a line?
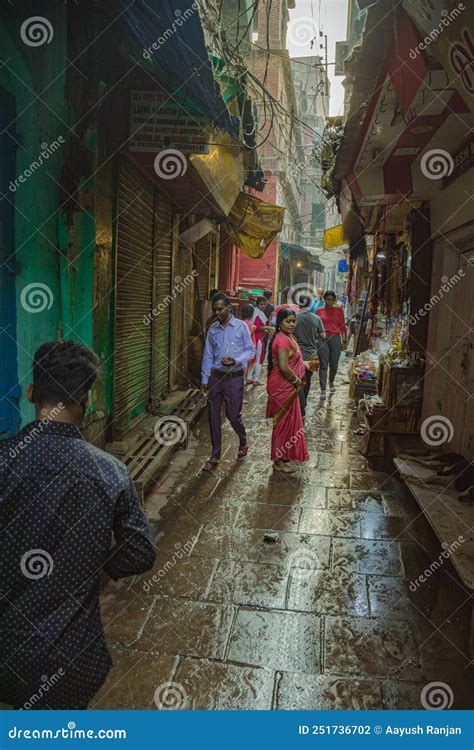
{"x":242,"y":454}
{"x":210,"y":464}
{"x":258,"y":382}
{"x":284,"y":469}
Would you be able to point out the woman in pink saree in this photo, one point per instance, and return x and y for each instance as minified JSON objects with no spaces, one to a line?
{"x":286,"y":372}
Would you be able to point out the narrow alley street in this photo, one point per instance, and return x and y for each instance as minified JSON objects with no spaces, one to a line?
{"x":285,"y":592}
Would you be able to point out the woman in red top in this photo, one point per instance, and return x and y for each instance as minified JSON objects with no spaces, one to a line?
{"x":330,"y":350}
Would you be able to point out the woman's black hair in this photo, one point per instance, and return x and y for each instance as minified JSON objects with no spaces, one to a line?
{"x":247,"y":312}
{"x":260,"y":299}
{"x":330,"y":293}
{"x":282,"y":315}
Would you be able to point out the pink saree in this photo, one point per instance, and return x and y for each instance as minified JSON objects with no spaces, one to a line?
{"x":288,"y":438}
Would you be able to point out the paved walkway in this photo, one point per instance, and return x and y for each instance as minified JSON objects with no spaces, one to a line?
{"x":286,"y":592}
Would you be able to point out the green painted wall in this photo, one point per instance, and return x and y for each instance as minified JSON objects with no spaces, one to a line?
{"x":55,"y":285}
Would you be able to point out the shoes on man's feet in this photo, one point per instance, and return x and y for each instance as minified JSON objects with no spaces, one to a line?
{"x":242,"y":454}
{"x":322,"y":395}
{"x":332,"y":389}
{"x":210,"y":464}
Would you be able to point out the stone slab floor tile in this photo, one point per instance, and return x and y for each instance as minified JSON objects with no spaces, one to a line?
{"x":251,"y":584}
{"x":366,"y":647}
{"x":329,"y":523}
{"x":187,"y":628}
{"x":214,"y":686}
{"x":328,"y":592}
{"x":375,"y":526}
{"x":123,"y":614}
{"x":350,"y":500}
{"x":230,"y":543}
{"x":298,"y":692}
{"x":265,"y":516}
{"x":133,"y":680}
{"x":186,"y":577}
{"x":298,"y":493}
{"x":366,"y":556}
{"x":298,"y":550}
{"x":392,"y":597}
{"x":277,"y":640}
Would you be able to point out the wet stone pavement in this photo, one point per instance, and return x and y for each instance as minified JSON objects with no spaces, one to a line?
{"x":286,"y":592}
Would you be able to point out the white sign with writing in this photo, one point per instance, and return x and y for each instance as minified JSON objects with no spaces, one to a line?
{"x":158,"y":121}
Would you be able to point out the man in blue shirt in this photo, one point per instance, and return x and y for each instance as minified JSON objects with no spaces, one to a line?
{"x":318,"y":301}
{"x":227,"y":352}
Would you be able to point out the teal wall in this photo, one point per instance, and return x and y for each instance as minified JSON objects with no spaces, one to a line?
{"x":52,"y":249}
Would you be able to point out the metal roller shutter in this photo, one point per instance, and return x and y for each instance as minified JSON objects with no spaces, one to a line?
{"x":202,"y":260}
{"x":162,"y":303}
{"x":134,"y":286}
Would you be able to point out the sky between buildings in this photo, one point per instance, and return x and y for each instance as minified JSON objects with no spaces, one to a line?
{"x":306,"y":20}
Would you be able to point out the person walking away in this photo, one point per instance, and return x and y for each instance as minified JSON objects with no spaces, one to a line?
{"x":310,"y":335}
{"x":268,"y":314}
{"x":269,"y":308}
{"x":62,"y":502}
{"x":286,"y":304}
{"x":286,"y":372}
{"x":262,"y":328}
{"x":318,"y":301}
{"x":330,"y":351}
{"x":247,"y":315}
{"x":227,"y":352}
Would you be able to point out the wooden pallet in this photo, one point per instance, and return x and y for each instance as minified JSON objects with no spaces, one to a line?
{"x":148,"y":454}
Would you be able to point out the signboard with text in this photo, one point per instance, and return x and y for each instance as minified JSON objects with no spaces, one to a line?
{"x":157,"y":121}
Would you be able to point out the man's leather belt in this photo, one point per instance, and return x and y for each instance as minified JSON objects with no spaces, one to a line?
{"x":223,"y":374}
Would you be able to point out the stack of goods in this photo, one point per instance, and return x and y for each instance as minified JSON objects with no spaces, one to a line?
{"x":364,"y":376}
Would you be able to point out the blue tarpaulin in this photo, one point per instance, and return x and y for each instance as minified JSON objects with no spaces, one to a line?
{"x":172,"y":38}
{"x":342,"y":266}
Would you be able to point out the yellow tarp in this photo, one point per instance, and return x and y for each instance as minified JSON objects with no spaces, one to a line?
{"x":333,"y":237}
{"x":252,"y":224}
{"x":222,"y":170}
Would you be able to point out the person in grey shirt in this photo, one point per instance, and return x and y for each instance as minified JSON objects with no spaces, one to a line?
{"x":309,"y":334}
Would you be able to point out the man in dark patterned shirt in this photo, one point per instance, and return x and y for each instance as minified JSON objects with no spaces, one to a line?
{"x":62,"y":501}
